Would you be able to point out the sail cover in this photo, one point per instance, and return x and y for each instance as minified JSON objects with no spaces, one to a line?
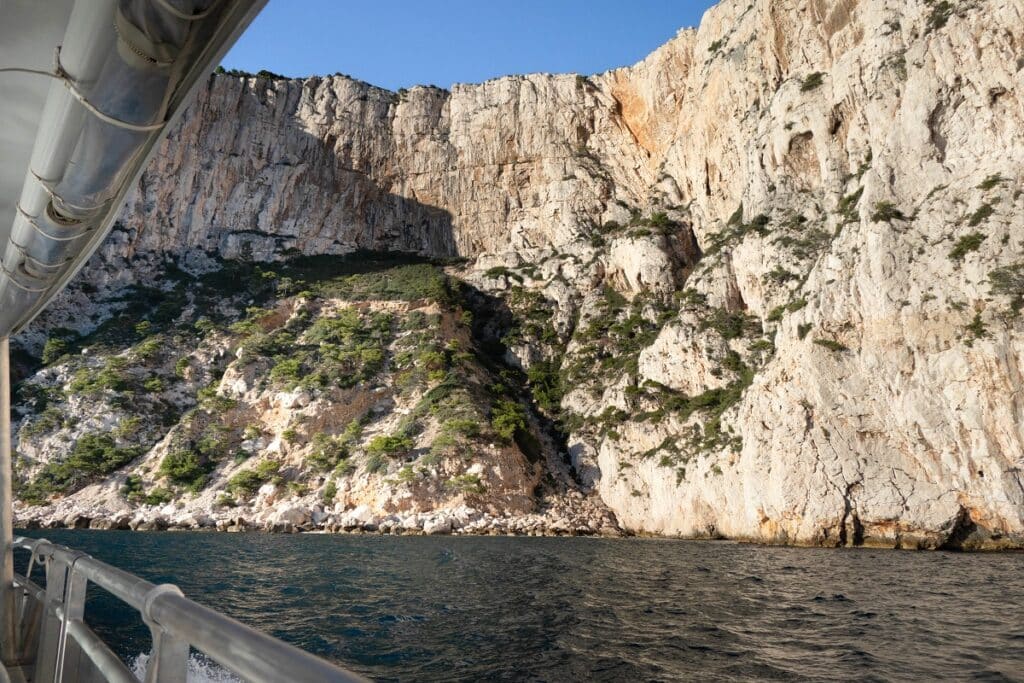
{"x":88,"y":88}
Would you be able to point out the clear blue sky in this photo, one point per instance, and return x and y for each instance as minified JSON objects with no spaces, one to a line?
{"x":399,"y":43}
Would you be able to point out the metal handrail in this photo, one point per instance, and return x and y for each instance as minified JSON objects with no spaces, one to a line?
{"x":53,"y":635}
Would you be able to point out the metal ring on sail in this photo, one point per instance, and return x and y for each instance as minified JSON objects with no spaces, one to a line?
{"x":32,"y":221}
{"x":29,"y":257}
{"x":48,"y":186}
{"x":171,"y":9}
{"x":14,"y":281}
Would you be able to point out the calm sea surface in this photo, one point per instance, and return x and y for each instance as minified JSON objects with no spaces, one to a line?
{"x":566,"y":609}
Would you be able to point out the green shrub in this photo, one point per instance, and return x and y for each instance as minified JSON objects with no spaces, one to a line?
{"x":463,"y":427}
{"x":1009,"y":281}
{"x":965,"y":245}
{"x":940,"y":14}
{"x":796,"y":305}
{"x":991,"y":182}
{"x":158,"y":496}
{"x":376,"y":463}
{"x":248,"y":482}
{"x":287,"y":370}
{"x":225,"y":500}
{"x":812,"y":82}
{"x":731,"y":325}
{"x":154,"y":385}
{"x":886,"y":212}
{"x":392,"y":445}
{"x":508,"y":418}
{"x":781,"y":276}
{"x":831,"y":345}
{"x":48,"y":420}
{"x":327,"y":452}
{"x":183,"y":467}
{"x":976,"y":329}
{"x":149,"y":347}
{"x":848,"y":205}
{"x":329,"y":492}
{"x":110,"y":377}
{"x":545,"y":382}
{"x":983,"y":213}
{"x":465,"y":483}
{"x":93,"y":456}
{"x":54,"y":350}
{"x":132,"y":488}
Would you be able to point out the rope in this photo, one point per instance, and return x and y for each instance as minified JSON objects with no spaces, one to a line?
{"x":32,"y":221}
{"x":63,"y":76}
{"x":171,"y":9}
{"x":106,"y":118}
{"x":48,"y":186}
{"x":35,"y":72}
{"x":30,"y":257}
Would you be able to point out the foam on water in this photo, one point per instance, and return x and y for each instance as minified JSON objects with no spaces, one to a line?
{"x":200,"y":670}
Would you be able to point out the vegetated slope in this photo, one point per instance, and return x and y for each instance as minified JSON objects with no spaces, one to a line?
{"x":284,"y":398}
{"x":764,"y":284}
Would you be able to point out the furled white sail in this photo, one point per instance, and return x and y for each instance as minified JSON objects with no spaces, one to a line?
{"x":87,"y":90}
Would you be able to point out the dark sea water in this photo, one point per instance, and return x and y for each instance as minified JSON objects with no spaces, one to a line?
{"x":568,"y":609}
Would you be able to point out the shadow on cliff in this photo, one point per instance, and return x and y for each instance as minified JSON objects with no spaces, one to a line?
{"x":337,"y":192}
{"x":492,"y":320}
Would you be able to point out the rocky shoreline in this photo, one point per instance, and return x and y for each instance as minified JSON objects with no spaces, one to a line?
{"x":573,"y":515}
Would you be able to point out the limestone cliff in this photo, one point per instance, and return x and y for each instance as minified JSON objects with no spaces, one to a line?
{"x":764,"y":284}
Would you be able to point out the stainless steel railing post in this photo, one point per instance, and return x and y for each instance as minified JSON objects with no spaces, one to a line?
{"x":69,"y":654}
{"x":7,"y":632}
{"x":168,"y":662}
{"x":49,"y":638}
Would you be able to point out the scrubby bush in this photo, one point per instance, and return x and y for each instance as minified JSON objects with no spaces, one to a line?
{"x":940,"y":14}
{"x":54,"y":350}
{"x":965,"y":245}
{"x":886,"y":212}
{"x":984,"y":212}
{"x":327,"y":452}
{"x":991,"y":181}
{"x":812,"y":82}
{"x":976,"y":329}
{"x":248,"y":482}
{"x":376,"y":463}
{"x":92,"y":456}
{"x":831,"y":345}
{"x":392,"y":445}
{"x":158,"y":496}
{"x":184,"y":468}
{"x":1009,"y":281}
{"x":507,"y":418}
{"x":465,"y":483}
{"x":329,"y":492}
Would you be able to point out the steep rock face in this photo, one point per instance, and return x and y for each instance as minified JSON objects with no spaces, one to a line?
{"x":781,"y":257}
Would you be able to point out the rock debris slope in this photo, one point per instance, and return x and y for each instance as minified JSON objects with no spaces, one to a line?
{"x":765,"y":284}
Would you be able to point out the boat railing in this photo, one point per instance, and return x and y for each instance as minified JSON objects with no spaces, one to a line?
{"x":53,"y":639}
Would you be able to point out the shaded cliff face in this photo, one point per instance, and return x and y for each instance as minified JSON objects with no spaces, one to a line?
{"x":766,"y":282}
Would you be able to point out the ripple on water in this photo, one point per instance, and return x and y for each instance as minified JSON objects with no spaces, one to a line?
{"x":515,"y":609}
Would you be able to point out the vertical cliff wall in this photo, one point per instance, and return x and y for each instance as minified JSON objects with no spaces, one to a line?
{"x":797,"y":229}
